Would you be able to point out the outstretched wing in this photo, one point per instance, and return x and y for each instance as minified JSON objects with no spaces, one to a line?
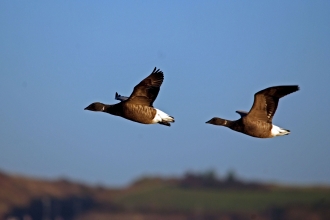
{"x":266,"y":101}
{"x":147,"y":90}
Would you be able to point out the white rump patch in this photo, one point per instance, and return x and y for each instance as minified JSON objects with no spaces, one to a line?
{"x":277,"y":131}
{"x":162,"y":116}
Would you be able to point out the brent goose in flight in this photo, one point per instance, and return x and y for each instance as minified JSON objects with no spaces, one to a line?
{"x":139,"y":106}
{"x":258,"y":121}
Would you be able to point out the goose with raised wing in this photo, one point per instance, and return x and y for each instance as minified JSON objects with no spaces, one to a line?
{"x":138,"y":107}
{"x":258,"y":121}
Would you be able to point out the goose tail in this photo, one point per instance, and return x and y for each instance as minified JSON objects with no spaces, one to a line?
{"x":277,"y":131}
{"x":163,"y":118}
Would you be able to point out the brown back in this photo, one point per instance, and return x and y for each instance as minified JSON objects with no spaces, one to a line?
{"x":138,"y":113}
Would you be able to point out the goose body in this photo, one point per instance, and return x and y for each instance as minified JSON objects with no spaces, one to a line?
{"x":258,"y":121}
{"x":139,"y":106}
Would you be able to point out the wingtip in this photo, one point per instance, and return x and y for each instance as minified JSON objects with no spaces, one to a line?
{"x":157,"y":70}
{"x":295,"y":88}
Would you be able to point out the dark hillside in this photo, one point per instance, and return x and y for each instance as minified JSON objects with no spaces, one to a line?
{"x":194,"y":196}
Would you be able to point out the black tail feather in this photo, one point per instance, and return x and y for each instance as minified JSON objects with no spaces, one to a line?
{"x":164,"y":123}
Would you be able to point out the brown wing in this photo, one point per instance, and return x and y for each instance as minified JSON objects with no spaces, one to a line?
{"x":147,"y":90}
{"x":266,"y":101}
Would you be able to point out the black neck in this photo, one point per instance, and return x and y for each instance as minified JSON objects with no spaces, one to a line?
{"x":113,"y":109}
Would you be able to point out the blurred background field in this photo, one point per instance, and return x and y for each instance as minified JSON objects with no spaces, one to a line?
{"x":193,"y":196}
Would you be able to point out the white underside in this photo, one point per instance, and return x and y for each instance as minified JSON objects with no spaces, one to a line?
{"x":277,"y":131}
{"x":162,"y":116}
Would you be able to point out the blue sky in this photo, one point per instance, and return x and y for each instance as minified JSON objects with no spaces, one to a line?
{"x":57,"y":57}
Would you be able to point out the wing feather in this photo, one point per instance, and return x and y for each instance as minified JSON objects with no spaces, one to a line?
{"x":145,"y":93}
{"x":266,"y":102}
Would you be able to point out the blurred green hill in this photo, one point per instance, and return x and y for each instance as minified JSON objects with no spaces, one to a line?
{"x":193,"y":196}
